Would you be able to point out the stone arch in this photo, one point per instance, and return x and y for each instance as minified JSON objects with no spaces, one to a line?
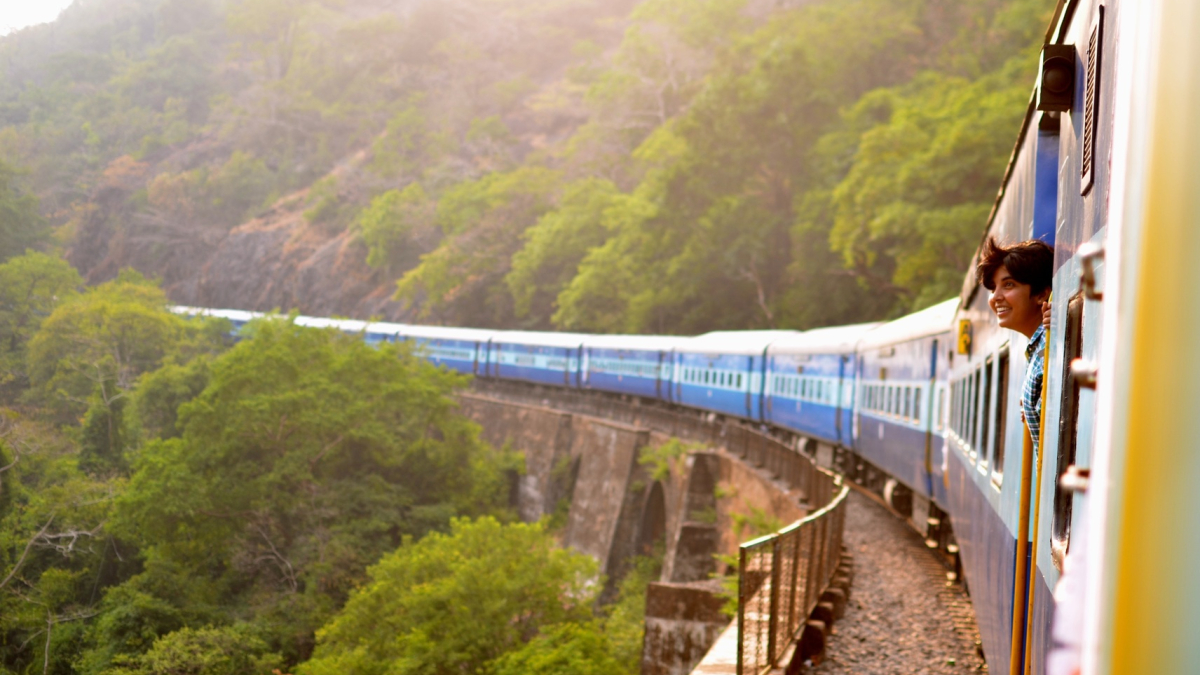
{"x":693,"y":555}
{"x":701,"y":501}
{"x":653,"y":528}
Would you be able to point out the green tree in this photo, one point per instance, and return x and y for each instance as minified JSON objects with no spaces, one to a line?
{"x":230,"y":650}
{"x":555,"y":246}
{"x":462,"y":280}
{"x":31,"y":286}
{"x":907,"y":214}
{"x":453,"y":603}
{"x":564,"y":649}
{"x":396,"y":227}
{"x":307,"y":456}
{"x":93,"y":347}
{"x":21,"y":225}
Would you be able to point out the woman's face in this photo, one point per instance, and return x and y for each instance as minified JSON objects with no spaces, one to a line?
{"x":1014,"y":306}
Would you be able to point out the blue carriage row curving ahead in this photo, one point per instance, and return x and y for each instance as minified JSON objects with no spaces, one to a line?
{"x":810,"y":382}
{"x":901,"y":393}
{"x":639,"y":365}
{"x":544,"y":358}
{"x":724,"y":371}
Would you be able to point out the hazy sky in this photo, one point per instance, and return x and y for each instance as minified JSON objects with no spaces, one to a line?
{"x":16,"y":14}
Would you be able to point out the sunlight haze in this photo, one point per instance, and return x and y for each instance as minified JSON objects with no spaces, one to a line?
{"x":17,"y":14}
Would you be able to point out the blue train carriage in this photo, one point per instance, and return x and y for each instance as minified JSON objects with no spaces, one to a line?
{"x":985,"y":434}
{"x":237,"y":317}
{"x":810,"y":382}
{"x":639,"y":365}
{"x":461,"y":349}
{"x":373,"y":333}
{"x":724,"y":371}
{"x":901,"y":394}
{"x":544,"y":358}
{"x":1057,"y":189}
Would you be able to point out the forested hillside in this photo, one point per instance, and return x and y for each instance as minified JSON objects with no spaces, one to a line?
{"x":299,"y":502}
{"x":654,"y":166}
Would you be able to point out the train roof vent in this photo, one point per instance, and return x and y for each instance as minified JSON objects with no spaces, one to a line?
{"x":1091,"y":101}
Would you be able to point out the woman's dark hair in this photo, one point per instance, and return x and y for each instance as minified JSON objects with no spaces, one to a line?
{"x":1029,"y":262}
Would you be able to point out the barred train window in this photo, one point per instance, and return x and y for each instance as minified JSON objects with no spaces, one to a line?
{"x":985,"y":413}
{"x":1001,"y":413}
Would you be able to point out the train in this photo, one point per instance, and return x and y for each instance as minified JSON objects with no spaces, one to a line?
{"x":924,"y":410}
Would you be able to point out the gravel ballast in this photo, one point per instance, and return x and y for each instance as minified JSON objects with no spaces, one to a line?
{"x":903,"y":616}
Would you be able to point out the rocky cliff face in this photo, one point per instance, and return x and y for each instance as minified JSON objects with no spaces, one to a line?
{"x":277,"y":261}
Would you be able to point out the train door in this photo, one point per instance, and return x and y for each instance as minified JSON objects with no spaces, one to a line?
{"x":930,"y":413}
{"x":841,"y":395}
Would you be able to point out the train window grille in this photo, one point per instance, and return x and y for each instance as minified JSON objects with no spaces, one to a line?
{"x":1001,"y":416}
{"x":1091,"y":102}
{"x":907,"y":402}
{"x":974,"y":413}
{"x":959,"y":396}
{"x":1068,"y":421}
{"x":954,"y":407}
{"x":916,"y":416}
{"x":986,"y":412}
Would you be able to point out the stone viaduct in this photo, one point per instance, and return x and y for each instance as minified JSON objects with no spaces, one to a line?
{"x":609,"y":469}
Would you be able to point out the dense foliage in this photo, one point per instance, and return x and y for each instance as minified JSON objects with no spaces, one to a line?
{"x":171,"y":502}
{"x":654,"y":166}
{"x":174,"y":503}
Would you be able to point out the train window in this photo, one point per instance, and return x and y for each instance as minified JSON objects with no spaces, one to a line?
{"x":907,"y":402}
{"x":975,"y":411}
{"x":985,"y":413}
{"x":1068,"y":428}
{"x":917,"y":405}
{"x":1001,"y":416}
{"x":739,"y":381}
{"x":953,"y":406}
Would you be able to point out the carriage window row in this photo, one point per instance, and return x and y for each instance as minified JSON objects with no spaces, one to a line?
{"x":810,"y":388}
{"x":891,"y":399}
{"x":708,"y":376}
{"x":977,"y":422}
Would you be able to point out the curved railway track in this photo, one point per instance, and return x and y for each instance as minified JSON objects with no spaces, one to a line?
{"x":904,"y":615}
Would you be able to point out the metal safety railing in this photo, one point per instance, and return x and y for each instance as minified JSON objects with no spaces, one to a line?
{"x":781,"y":578}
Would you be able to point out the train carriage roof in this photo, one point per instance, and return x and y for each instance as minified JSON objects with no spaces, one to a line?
{"x":927,"y":322}
{"x":832,"y":340}
{"x":231,"y":314}
{"x":733,"y":342}
{"x":540,"y":339}
{"x":446,"y":333}
{"x":653,"y":343}
{"x":347,"y":325}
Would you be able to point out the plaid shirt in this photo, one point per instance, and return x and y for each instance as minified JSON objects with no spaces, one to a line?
{"x":1031,"y":393}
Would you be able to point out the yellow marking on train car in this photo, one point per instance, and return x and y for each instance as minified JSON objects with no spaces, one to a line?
{"x":1156,"y":595}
